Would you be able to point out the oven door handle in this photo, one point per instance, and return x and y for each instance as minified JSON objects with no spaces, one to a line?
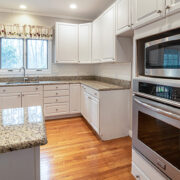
{"x":158,"y":110}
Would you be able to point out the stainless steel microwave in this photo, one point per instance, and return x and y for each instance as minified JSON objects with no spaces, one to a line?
{"x":162,"y":57}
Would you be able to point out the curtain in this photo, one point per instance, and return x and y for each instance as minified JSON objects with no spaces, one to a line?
{"x":26,"y":31}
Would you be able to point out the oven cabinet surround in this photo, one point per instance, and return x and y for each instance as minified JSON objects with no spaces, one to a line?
{"x":143,"y":169}
{"x":124,"y":17}
{"x":146,"y":12}
{"x":97,"y":107}
{"x":21,"y":96}
{"x":21,"y":164}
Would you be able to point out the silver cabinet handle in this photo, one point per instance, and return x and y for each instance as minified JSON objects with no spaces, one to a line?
{"x":168,"y":7}
{"x":159,"y":11}
{"x":158,"y":110}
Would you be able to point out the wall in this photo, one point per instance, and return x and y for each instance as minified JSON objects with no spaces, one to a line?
{"x":114,"y":70}
{"x":57,"y":69}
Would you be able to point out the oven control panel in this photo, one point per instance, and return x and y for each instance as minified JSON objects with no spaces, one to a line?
{"x":167,"y":92}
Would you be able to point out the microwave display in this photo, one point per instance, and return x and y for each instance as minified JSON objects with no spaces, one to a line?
{"x":163,"y":56}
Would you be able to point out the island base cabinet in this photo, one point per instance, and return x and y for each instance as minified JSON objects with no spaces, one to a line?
{"x":20,"y":165}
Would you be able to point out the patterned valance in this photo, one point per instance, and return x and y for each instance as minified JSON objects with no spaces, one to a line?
{"x":26,"y":31}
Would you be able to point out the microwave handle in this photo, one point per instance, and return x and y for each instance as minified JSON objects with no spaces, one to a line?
{"x":158,"y":110}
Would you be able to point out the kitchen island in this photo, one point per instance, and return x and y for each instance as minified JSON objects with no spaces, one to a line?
{"x":22,"y":132}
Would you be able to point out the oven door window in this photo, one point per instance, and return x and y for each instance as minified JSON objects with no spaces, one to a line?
{"x":163,"y":56}
{"x":161,"y":137}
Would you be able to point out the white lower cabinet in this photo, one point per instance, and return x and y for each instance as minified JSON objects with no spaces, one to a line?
{"x":75,"y":98}
{"x":21,"y":96}
{"x":97,"y":107}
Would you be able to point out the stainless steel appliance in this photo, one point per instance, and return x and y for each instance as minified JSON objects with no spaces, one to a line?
{"x":156,"y":125}
{"x":162,"y":57}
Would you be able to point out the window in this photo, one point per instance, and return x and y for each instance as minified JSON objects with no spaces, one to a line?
{"x":11,"y":53}
{"x":37,"y":55}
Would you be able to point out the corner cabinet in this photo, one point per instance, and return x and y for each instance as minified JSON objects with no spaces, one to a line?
{"x":85,"y":45}
{"x":66,"y":43}
{"x":147,"y":11}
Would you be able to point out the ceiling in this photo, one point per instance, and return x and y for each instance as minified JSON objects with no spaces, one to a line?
{"x":87,"y":9}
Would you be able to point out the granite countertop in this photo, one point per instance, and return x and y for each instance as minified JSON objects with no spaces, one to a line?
{"x":21,"y":128}
{"x":97,"y":85}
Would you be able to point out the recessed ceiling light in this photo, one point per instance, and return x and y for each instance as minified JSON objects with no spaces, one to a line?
{"x":73,"y":6}
{"x":23,"y":6}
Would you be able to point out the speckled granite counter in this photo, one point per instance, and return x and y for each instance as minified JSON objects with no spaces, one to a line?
{"x":21,"y":128}
{"x":95,"y":84}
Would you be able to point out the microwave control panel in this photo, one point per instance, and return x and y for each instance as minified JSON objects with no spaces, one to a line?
{"x":167,"y":92}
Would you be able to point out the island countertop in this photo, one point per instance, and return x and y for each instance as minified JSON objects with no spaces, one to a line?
{"x":21,"y":128}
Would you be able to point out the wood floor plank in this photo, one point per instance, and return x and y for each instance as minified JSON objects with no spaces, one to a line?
{"x":73,"y":152}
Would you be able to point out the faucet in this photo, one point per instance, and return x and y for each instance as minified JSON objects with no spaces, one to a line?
{"x":24,"y":75}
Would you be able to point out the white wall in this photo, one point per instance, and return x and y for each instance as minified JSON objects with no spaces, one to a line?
{"x":114,"y":70}
{"x":57,"y":69}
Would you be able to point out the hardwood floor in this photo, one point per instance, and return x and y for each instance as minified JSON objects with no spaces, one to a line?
{"x":73,"y":152}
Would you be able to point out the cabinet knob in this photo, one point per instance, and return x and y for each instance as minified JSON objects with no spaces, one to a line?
{"x":4,"y":90}
{"x":137,"y":177}
{"x":23,"y":95}
{"x":56,"y":100}
{"x":56,"y":110}
{"x":159,"y":11}
{"x":56,"y":94}
{"x":168,"y":7}
{"x":36,"y":88}
{"x":56,"y":87}
{"x":19,"y":95}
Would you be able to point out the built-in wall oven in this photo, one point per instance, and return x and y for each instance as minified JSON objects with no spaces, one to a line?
{"x":156,"y":125}
{"x":162,"y":57}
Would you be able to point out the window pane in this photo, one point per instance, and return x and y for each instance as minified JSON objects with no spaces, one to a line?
{"x":11,"y":53}
{"x":37,"y":54}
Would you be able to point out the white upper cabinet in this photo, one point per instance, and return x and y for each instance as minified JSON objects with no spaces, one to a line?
{"x":108,"y":34}
{"x":147,"y":11}
{"x":85,"y":35}
{"x":172,"y":6}
{"x":123,"y":16}
{"x":66,"y":43}
{"x":96,"y":40}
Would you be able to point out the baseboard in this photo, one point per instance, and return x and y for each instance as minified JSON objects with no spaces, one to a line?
{"x":63,"y":116}
{"x":130,"y":133}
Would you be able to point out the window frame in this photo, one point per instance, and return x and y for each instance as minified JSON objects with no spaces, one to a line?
{"x":33,"y":72}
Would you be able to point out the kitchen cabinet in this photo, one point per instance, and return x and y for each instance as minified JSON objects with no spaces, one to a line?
{"x":107,"y":121}
{"x":108,"y":34}
{"x":147,"y":11}
{"x":10,"y":100}
{"x":97,"y":40}
{"x":32,"y":99}
{"x":22,"y":96}
{"x":124,"y":17}
{"x":172,"y":6}
{"x":66,"y":43}
{"x":85,"y":38}
{"x":75,"y":98}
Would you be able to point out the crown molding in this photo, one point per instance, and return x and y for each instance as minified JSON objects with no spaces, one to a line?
{"x":3,"y":10}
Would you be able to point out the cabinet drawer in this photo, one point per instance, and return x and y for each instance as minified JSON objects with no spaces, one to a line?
{"x":10,"y":89}
{"x":31,"y":88}
{"x":56,"y":109}
{"x":61,"y":99}
{"x":56,"y":87}
{"x":56,"y":93}
{"x":91,"y":91}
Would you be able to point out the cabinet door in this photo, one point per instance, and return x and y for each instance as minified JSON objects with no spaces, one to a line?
{"x":96,"y":40}
{"x":108,"y":34}
{"x":172,"y":6}
{"x":66,"y":43}
{"x":10,"y":100}
{"x":85,"y":35}
{"x":93,"y":112}
{"x":32,"y":99}
{"x":75,"y":98}
{"x":147,"y":11}
{"x":123,"y":18}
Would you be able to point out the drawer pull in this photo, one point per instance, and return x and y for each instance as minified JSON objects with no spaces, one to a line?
{"x":137,"y":177}
{"x":56,"y":94}
{"x":95,"y":94}
{"x":56,"y":100}
{"x":19,"y":95}
{"x":4,"y":90}
{"x":56,"y":110}
{"x":36,"y":88}
{"x":56,"y":87}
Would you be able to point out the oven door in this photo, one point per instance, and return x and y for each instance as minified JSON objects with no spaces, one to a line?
{"x":156,"y":134}
{"x":162,"y":57}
